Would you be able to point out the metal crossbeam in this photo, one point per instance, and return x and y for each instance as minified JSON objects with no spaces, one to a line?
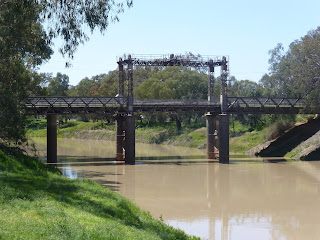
{"x":172,"y":60}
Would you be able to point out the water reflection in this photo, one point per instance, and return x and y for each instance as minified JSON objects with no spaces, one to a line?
{"x":67,"y":171}
{"x":248,"y":199}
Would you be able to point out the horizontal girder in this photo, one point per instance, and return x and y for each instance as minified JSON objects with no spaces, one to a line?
{"x":112,"y":105}
{"x":173,"y":60}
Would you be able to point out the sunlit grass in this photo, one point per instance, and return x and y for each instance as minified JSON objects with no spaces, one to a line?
{"x":193,"y":135}
{"x":247,"y":141}
{"x":38,"y":203}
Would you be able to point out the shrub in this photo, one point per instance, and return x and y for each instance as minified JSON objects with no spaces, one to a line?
{"x":278,"y":128}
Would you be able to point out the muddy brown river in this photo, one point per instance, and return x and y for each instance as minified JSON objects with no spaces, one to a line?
{"x":249,"y":198}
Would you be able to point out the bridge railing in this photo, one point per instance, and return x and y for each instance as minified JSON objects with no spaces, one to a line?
{"x":74,"y":102}
{"x":102,"y":105}
{"x":265,"y":105}
{"x":265,"y":102}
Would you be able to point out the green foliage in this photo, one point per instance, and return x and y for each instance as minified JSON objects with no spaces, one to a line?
{"x":101,"y":125}
{"x":244,"y":88}
{"x":270,"y":119}
{"x":68,"y":125}
{"x":21,"y":34}
{"x":278,"y":128}
{"x":237,"y":128}
{"x":59,"y":85}
{"x":24,"y":45}
{"x":68,"y":19}
{"x":38,"y":203}
{"x":12,"y":160}
{"x":83,"y":87}
{"x":35,"y":124}
{"x":248,"y":140}
{"x":38,"y":83}
{"x":106,"y":84}
{"x":253,"y":121}
{"x":173,"y":83}
{"x":295,"y":73}
{"x":13,"y":81}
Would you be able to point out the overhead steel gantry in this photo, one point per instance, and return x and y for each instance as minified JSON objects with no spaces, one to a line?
{"x":125,"y":122}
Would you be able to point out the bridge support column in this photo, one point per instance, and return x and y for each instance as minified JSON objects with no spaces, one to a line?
{"x":51,"y":138}
{"x":130,"y":141}
{"x":212,"y":150}
{"x":120,"y":138}
{"x":223,"y":138}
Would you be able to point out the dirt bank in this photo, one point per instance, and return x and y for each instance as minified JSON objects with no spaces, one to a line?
{"x":298,"y":142}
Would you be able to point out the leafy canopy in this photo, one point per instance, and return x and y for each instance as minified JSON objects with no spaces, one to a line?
{"x":27,"y":30}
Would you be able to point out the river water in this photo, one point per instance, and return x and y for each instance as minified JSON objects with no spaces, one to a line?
{"x":249,"y":198}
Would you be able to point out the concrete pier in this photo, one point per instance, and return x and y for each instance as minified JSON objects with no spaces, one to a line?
{"x":51,"y":138}
{"x":223,"y":138}
{"x":120,"y":138}
{"x":212,"y":150}
{"x":130,"y":142}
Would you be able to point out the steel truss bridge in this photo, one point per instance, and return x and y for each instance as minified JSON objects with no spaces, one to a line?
{"x":118,"y":105}
{"x":124,"y":106}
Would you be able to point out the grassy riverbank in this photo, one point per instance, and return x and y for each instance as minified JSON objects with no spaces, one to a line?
{"x":193,"y":135}
{"x":38,"y":203}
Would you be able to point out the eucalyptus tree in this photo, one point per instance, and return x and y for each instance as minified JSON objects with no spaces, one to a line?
{"x":296,"y":73}
{"x":304,"y":56}
{"x":174,"y":83}
{"x":58,"y":85}
{"x":27,"y":31}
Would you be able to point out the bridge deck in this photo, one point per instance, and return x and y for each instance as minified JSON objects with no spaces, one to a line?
{"x":112,"y":105}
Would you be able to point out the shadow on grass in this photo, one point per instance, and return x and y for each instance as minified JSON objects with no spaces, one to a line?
{"x":67,"y":192}
{"x":82,"y":195}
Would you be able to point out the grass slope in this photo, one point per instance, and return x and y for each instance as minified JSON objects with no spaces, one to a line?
{"x":193,"y":135}
{"x":36,"y":202}
{"x":248,"y":140}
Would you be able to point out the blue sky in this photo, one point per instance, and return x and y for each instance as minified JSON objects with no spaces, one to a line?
{"x":244,"y":30}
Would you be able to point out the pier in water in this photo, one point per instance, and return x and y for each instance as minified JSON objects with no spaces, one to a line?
{"x":250,"y":198}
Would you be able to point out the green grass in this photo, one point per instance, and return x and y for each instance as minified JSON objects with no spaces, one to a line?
{"x":236,"y":128}
{"x":73,"y":129}
{"x":193,"y":135}
{"x":247,"y":141}
{"x":192,"y":138}
{"x":36,"y":202}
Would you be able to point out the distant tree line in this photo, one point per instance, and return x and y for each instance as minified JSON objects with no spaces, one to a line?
{"x":293,"y":74}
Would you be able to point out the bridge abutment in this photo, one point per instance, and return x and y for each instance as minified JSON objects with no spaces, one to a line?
{"x":51,"y":138}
